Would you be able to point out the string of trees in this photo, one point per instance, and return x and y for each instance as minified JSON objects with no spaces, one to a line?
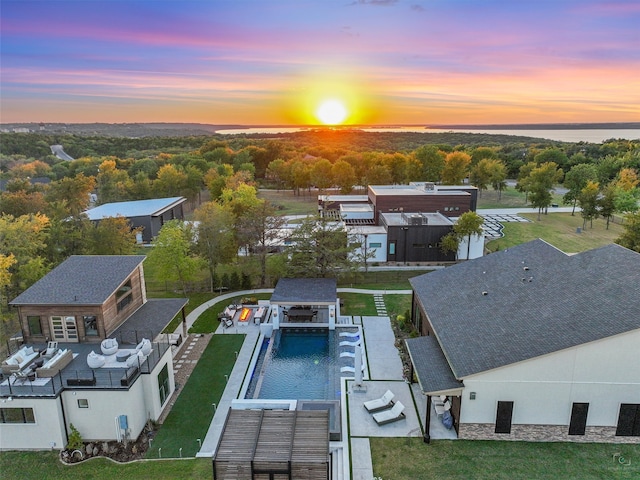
{"x":604,"y":175}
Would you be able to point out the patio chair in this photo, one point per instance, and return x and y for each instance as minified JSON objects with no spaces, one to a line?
{"x":350,"y":334}
{"x":350,"y":369}
{"x":382,"y":403}
{"x":440,"y":409}
{"x":393,"y":414}
{"x":347,"y":343}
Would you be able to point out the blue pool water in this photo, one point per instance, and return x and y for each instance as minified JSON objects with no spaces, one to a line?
{"x":302,"y":365}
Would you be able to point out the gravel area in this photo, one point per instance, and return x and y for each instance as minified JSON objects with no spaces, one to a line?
{"x":185,"y":359}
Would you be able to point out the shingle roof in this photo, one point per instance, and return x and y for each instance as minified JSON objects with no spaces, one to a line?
{"x":432,"y":369}
{"x":80,"y":280}
{"x":135,"y":208}
{"x":305,"y":291}
{"x":149,"y":320}
{"x":538,"y":301}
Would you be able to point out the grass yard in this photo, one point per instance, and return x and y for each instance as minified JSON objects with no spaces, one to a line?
{"x":289,"y":204}
{"x":46,"y":466}
{"x":397,"y":304}
{"x":510,"y":198}
{"x":558,"y":229}
{"x":191,"y":415}
{"x":357,"y":304}
{"x":384,"y":280}
{"x":403,"y":459}
{"x":208,"y":321}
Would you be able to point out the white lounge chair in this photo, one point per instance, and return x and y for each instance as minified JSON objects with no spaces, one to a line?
{"x":393,"y":414}
{"x":348,"y":354}
{"x":346,"y":343}
{"x":94,"y":360}
{"x":109,"y":346}
{"x":350,"y":369}
{"x":350,"y":334}
{"x":382,"y":403}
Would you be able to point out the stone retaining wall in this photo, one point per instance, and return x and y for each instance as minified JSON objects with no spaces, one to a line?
{"x":542,"y":433}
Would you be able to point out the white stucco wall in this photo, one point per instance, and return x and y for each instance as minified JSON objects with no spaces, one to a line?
{"x":98,"y":421}
{"x":151,"y":388}
{"x":604,"y":374}
{"x":46,"y":433}
{"x":477,"y":248}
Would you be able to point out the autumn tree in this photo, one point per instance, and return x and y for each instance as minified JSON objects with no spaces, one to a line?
{"x":172,"y":255}
{"x":456,"y":168}
{"x":240,"y":200}
{"x":606,"y":202}
{"x":468,"y":224}
{"x":630,"y":238}
{"x":215,"y":236}
{"x":540,"y":182}
{"x":320,"y":249}
{"x":481,"y":174}
{"x":171,"y":182}
{"x":576,"y":179}
{"x":112,"y":183}
{"x":344,"y":176}
{"x":322,"y":174}
{"x":73,"y":191}
{"x":113,"y":236}
{"x":258,"y":229}
{"x":432,"y":160}
{"x":588,"y":200}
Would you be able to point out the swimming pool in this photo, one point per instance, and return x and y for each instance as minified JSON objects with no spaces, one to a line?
{"x":302,"y":364}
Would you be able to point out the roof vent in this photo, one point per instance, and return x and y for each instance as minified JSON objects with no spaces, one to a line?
{"x":526,"y":269}
{"x":530,"y":279}
{"x":484,"y":294}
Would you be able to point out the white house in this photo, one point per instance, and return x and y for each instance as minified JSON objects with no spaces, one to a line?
{"x":533,"y":344}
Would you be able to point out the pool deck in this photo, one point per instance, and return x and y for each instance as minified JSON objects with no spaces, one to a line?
{"x":385,"y":372}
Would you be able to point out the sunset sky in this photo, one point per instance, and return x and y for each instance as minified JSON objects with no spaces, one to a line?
{"x":274,"y":61}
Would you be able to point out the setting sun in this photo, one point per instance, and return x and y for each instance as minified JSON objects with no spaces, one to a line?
{"x":331,"y":112}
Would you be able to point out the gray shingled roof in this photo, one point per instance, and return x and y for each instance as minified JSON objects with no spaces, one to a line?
{"x":431,"y":367}
{"x":305,"y":291}
{"x":559,"y":301}
{"x":149,"y":320}
{"x":80,"y":280}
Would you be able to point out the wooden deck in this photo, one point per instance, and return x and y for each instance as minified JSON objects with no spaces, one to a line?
{"x":288,"y":444}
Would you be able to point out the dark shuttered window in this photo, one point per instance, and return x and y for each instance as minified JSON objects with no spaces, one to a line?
{"x":629,"y":420}
{"x":578,"y":423}
{"x":503,"y":417}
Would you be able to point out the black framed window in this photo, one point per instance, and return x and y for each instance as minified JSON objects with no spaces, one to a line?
{"x":90,"y":325}
{"x":17,"y":415}
{"x":35,"y":325}
{"x":629,"y":420}
{"x":163,"y":384}
{"x":578,"y":423}
{"x":503,"y":417}
{"x":83,"y":403}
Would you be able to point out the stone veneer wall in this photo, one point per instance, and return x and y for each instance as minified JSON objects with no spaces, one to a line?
{"x":541,"y":433}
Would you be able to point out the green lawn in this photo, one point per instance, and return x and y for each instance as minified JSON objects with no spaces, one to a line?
{"x":510,"y":198}
{"x":560,"y":230}
{"x":385,"y":280}
{"x":357,"y":304}
{"x":403,"y":459}
{"x":46,"y":466}
{"x":191,"y":415}
{"x":290,"y":204}
{"x":397,"y":304}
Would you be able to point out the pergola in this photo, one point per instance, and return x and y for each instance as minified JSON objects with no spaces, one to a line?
{"x":273,"y":445}
{"x":297,"y":294}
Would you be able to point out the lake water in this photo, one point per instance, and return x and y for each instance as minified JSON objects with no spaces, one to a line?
{"x":595,"y":135}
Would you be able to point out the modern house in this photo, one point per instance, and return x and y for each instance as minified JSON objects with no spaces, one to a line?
{"x":414,"y":218}
{"x":92,"y":356}
{"x":530,"y":343}
{"x":151,"y":214}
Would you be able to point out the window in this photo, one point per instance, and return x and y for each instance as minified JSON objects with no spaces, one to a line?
{"x":163,"y":384}
{"x":375,"y":245}
{"x":90,"y":325}
{"x":17,"y":415}
{"x":578,"y":423}
{"x":503,"y":417}
{"x":629,"y":420}
{"x":392,"y":248}
{"x":35,"y":327}
{"x":123,"y":296}
{"x":83,"y":403}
